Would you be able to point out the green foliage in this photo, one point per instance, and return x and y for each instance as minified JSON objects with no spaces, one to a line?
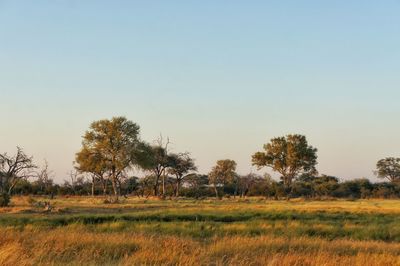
{"x":389,"y":168}
{"x":315,"y":186}
{"x":180,"y":165}
{"x":197,"y":186}
{"x":358,"y":188}
{"x":109,"y":146}
{"x":221,"y":174}
{"x":156,"y":160}
{"x":290,"y":156}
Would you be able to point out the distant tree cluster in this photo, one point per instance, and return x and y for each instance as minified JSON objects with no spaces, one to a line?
{"x":111,"y":149}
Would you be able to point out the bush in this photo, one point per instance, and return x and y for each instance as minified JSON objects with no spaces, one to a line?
{"x":4,"y":200}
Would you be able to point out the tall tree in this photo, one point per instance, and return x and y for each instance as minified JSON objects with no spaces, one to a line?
{"x":14,"y":169}
{"x":113,"y":144}
{"x":155,"y":159}
{"x":181,"y":165}
{"x":290,"y":156}
{"x":389,"y":168}
{"x":221,"y":174}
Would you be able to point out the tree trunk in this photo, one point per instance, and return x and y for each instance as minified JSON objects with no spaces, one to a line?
{"x":216,"y":191}
{"x":119,"y":187}
{"x":178,"y":184}
{"x":289,"y":191}
{"x":156,"y":188}
{"x":163,"y":179}
{"x":12,"y":187}
{"x":163,"y":186}
{"x":93,"y":184}
{"x":114,"y":184}
{"x":104,"y":183}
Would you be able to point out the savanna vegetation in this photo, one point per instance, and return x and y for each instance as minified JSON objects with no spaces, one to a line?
{"x":131,"y":202}
{"x":255,"y":231}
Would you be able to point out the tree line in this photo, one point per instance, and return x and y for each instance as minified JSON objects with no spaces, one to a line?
{"x":112,"y":149}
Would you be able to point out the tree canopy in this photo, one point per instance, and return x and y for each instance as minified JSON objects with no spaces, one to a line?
{"x":389,"y":168}
{"x":110,"y":146}
{"x":290,"y":156}
{"x":222,"y":173}
{"x":156,"y":160}
{"x":181,"y":165}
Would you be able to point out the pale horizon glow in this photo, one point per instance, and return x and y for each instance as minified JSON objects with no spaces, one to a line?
{"x":219,"y":79}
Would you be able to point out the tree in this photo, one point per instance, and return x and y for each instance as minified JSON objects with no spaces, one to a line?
{"x":315,"y":186}
{"x":197,"y":185}
{"x":113,"y":145}
{"x":75,"y":179}
{"x":44,"y":178}
{"x":222,"y":174}
{"x":324,"y":185}
{"x":130,"y":185}
{"x":14,"y":169}
{"x":389,"y":168}
{"x":181,"y":165}
{"x":247,"y":182}
{"x":92,"y":162}
{"x":146,"y":186}
{"x":354,"y":189}
{"x":155,"y":159}
{"x":290,"y":156}
{"x":386,"y":190}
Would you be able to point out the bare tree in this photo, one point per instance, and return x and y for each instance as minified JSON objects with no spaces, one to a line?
{"x":15,"y":168}
{"x":74,"y":178}
{"x":44,"y":177}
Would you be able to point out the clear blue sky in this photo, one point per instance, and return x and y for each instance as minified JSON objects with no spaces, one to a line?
{"x":220,"y":78}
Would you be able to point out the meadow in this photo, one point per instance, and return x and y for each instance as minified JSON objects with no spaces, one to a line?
{"x":254,"y":231}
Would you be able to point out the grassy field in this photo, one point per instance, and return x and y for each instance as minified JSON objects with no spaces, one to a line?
{"x":84,"y":231}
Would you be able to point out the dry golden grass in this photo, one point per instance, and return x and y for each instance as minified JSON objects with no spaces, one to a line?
{"x":270,"y":237}
{"x":96,"y":205}
{"x":76,"y":246}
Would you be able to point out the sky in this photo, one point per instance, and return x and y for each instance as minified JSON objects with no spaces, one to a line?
{"x":219,"y":78}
